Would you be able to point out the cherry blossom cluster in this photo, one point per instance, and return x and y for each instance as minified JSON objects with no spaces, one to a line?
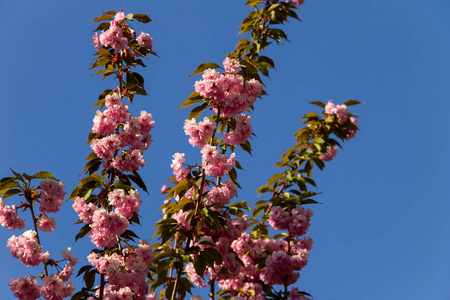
{"x":296,"y":2}
{"x":222,"y":238}
{"x":106,"y":225}
{"x":240,"y":272}
{"x":52,"y":195}
{"x":9,"y":218}
{"x":296,"y":221}
{"x":119,"y":35}
{"x":282,"y":261}
{"x":126,"y":273}
{"x":198,"y":132}
{"x":215,"y":164}
{"x":230,"y":97}
{"x":27,"y":248}
{"x":341,"y":115}
{"x":229,"y":91}
{"x":340,"y":111}
{"x":54,"y":286}
{"x":123,"y":138}
{"x":330,"y":154}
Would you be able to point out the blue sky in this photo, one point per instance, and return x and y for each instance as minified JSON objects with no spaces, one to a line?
{"x":382,"y":231}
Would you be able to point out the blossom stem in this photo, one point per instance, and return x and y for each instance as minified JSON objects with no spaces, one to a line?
{"x":212,"y":293}
{"x":36,"y":230}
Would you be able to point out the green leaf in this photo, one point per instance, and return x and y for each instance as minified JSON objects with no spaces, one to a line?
{"x":260,"y":208}
{"x":197,"y":111}
{"x":84,"y":269}
{"x":249,"y":66}
{"x":192,"y":99}
{"x":136,"y":178}
{"x":199,"y":265}
{"x":351,"y":102}
{"x":135,"y":78}
{"x":318,"y":103}
{"x":310,"y":201}
{"x":247,"y":147}
{"x":274,"y":178}
{"x":110,"y":12}
{"x":142,"y":18}
{"x":92,"y":165}
{"x":211,"y":256}
{"x":102,"y":26}
{"x":11,"y":192}
{"x":310,"y":115}
{"x":89,"y":278}
{"x":92,"y":155}
{"x":240,"y":204}
{"x":83,"y":231}
{"x":280,"y":235}
{"x":201,"y":68}
{"x":8,"y":184}
{"x":103,"y":18}
{"x":43,"y":175}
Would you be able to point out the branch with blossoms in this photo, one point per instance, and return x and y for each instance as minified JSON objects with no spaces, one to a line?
{"x":202,"y":234}
{"x":205,"y":239}
{"x":106,"y":201}
{"x":40,"y":201}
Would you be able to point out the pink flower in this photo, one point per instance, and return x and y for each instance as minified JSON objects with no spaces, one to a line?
{"x":215,"y":163}
{"x":279,"y":218}
{"x":300,"y":221}
{"x":103,"y":124}
{"x":222,"y":194}
{"x":25,"y":288}
{"x":66,"y":273}
{"x":46,"y":224}
{"x":351,"y":133}
{"x":70,"y":257}
{"x":296,"y":2}
{"x":54,"y":288}
{"x":151,"y":296}
{"x":145,"y":40}
{"x":84,"y":211}
{"x":114,"y":37}
{"x":244,"y":131}
{"x":330,"y":154}
{"x":26,"y":248}
{"x":341,"y":111}
{"x":9,"y":218}
{"x":119,"y":17}
{"x":52,"y":195}
{"x":96,"y":41}
{"x":231,"y":65}
{"x":193,"y":276}
{"x":294,"y":295}
{"x":199,"y":131}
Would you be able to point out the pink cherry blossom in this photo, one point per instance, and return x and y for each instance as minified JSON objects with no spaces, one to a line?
{"x":25,"y":288}
{"x":46,"y":224}
{"x":145,"y":40}
{"x":330,"y":154}
{"x":96,"y":41}
{"x":26,"y":248}
{"x":119,"y":17}
{"x":231,"y":65}
{"x":70,"y":257}
{"x":9,"y":218}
